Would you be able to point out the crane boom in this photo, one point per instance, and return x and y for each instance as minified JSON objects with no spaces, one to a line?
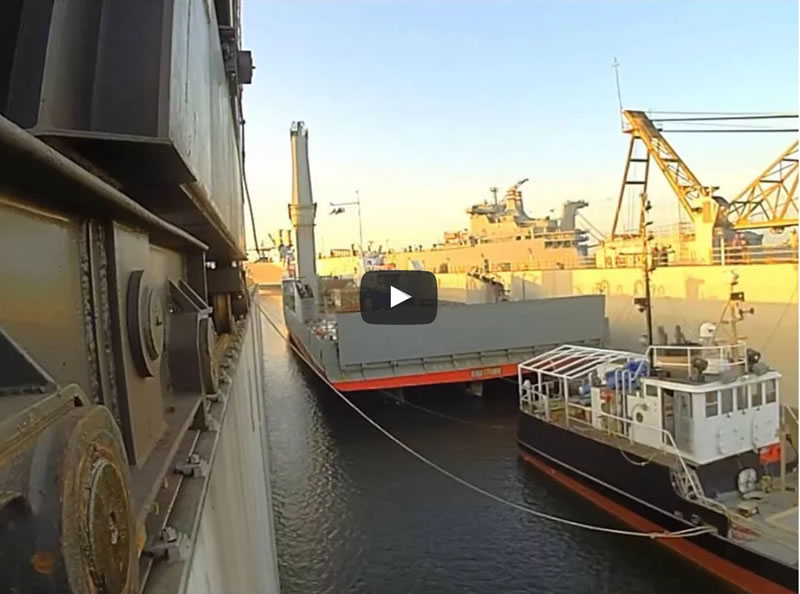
{"x":690,"y":192}
{"x":770,"y":200}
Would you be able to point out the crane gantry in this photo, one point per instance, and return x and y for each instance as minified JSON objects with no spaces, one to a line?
{"x":768,"y":202}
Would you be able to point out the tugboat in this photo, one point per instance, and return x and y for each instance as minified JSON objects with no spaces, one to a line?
{"x":685,"y":435}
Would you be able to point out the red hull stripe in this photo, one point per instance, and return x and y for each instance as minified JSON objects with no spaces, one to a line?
{"x":737,"y":576}
{"x":473,"y":374}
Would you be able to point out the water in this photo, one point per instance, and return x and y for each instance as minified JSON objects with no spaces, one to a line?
{"x":355,"y":513}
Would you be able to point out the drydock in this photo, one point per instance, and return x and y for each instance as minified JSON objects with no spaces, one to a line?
{"x":132,"y":451}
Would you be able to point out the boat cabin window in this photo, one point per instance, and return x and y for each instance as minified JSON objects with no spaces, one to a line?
{"x":741,"y":397}
{"x":727,"y":400}
{"x":771,"y":391}
{"x":756,"y":398}
{"x":651,"y":390}
{"x":712,"y":404}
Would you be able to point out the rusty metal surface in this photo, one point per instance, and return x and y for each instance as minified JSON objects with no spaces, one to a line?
{"x":97,"y":310}
{"x":20,"y":426}
{"x":159,"y":119}
{"x":41,"y":289}
{"x":147,"y":480}
{"x":22,"y":374}
{"x":66,"y":522}
{"x":43,"y":175}
{"x":213,"y":511}
{"x":145,"y":319}
{"x":141,"y":398}
{"x":98,"y":538}
{"x":190,"y":342}
{"x":164,"y":501}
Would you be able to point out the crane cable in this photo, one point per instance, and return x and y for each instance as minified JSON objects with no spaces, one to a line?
{"x":685,"y":533}
{"x":244,"y":186}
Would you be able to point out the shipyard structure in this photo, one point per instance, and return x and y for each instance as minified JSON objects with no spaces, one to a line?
{"x":723,"y":246}
{"x":133,"y":455}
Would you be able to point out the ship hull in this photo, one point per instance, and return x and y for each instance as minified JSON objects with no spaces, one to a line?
{"x":463,"y":345}
{"x":469,"y":375}
{"x":642,"y":497}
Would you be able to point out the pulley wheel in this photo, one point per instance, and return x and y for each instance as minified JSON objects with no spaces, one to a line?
{"x":145,"y":323}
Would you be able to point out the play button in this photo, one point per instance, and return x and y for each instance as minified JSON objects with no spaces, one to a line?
{"x":398,"y":297}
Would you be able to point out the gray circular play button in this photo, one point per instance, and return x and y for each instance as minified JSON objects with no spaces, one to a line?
{"x":400,"y":297}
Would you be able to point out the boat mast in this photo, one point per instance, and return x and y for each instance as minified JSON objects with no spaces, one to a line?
{"x":645,"y":304}
{"x":303,"y":209}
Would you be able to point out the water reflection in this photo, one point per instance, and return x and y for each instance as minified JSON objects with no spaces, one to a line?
{"x":355,"y":513}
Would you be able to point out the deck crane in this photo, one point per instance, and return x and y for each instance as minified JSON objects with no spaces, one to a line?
{"x":770,"y":200}
{"x":697,"y":200}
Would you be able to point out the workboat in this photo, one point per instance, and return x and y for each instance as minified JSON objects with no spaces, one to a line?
{"x":687,"y":436}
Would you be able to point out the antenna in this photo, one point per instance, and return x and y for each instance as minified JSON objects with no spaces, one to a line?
{"x":616,"y":66}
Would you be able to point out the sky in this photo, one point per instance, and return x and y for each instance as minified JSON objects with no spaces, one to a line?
{"x":422,"y":106}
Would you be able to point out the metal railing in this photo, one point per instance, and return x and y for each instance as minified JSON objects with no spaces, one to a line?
{"x":718,"y":357}
{"x":667,"y":445}
{"x":720,"y":256}
{"x":727,"y":255}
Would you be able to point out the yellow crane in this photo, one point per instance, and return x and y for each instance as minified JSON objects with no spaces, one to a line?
{"x":770,"y":200}
{"x":697,"y":200}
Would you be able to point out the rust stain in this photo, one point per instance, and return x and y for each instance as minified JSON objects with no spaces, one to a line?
{"x":44,"y":562}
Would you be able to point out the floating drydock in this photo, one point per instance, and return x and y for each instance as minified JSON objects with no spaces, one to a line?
{"x":465,"y":343}
{"x":133,"y":456}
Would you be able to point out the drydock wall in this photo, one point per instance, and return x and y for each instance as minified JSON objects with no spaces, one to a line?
{"x":235,"y":549}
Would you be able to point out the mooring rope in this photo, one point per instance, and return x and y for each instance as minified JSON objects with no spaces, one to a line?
{"x":685,"y":533}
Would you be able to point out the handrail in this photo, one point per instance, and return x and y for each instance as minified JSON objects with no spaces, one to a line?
{"x":734,"y":354}
{"x":674,"y":450}
{"x":791,"y":413}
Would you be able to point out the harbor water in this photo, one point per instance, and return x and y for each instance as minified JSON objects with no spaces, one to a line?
{"x":356,"y":513}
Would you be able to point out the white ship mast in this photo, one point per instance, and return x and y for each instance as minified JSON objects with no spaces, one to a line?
{"x":302,"y":209}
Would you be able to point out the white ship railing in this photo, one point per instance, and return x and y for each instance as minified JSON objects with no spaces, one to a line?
{"x":667,"y":445}
{"x":719,"y":357}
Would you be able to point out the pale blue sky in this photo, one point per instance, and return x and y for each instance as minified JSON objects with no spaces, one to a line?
{"x":422,"y":106}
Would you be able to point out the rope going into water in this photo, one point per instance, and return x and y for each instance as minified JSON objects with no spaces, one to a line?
{"x":441,"y":415}
{"x":685,"y":533}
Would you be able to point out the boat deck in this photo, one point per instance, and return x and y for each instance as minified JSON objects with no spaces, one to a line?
{"x":772,"y":529}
